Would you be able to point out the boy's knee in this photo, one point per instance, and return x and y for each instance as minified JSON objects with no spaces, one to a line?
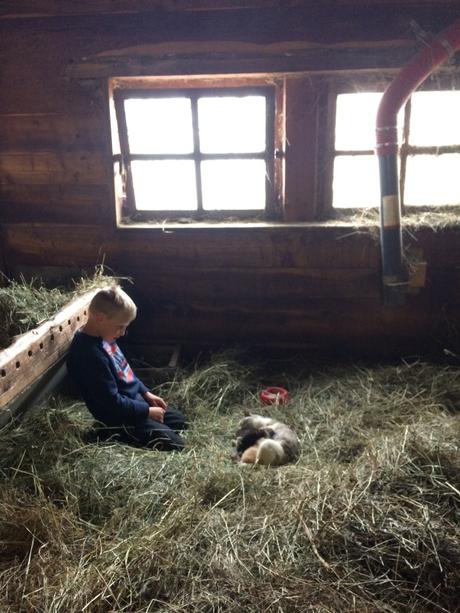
{"x":175,"y":420}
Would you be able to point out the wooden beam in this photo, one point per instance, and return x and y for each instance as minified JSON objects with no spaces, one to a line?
{"x":300,"y":149}
{"x":328,"y":59}
{"x":262,"y":245}
{"x":57,"y":132}
{"x":12,"y":9}
{"x":33,"y":353}
{"x":46,"y":168}
{"x":325,"y":323}
{"x":56,"y":203}
{"x":15,"y":9}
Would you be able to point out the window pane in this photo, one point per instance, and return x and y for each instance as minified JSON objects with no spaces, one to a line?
{"x":164,"y":185}
{"x":435,"y":118}
{"x":231,"y":124}
{"x":356,"y":181}
{"x":233,"y":184}
{"x":355,"y":121}
{"x":432,"y":179}
{"x":159,"y":125}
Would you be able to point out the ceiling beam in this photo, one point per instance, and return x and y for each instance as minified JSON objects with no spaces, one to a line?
{"x":28,"y":9}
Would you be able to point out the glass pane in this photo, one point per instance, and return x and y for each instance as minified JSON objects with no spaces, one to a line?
{"x":164,"y":185}
{"x":355,"y":121}
{"x":159,"y":125}
{"x":356,"y":181}
{"x":232,"y":125}
{"x":435,"y":118}
{"x":233,"y":184}
{"x":432,"y":179}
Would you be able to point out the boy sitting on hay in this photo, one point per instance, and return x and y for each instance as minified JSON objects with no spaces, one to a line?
{"x":110,"y":389}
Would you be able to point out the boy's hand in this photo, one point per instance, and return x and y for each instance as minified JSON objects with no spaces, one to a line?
{"x":157,"y":414}
{"x":155,"y":401}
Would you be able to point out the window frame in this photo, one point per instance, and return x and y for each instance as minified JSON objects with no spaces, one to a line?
{"x":304,"y":117}
{"x":194,"y":90}
{"x":438,"y":83}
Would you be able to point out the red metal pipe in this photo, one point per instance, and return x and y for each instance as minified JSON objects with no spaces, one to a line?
{"x":411,"y":76}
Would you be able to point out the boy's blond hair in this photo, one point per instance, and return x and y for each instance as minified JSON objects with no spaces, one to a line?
{"x":113,"y":301}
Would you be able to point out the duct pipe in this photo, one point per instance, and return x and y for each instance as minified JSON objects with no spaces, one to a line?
{"x":411,"y":76}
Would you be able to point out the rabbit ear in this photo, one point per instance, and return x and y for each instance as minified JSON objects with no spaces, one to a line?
{"x":247,"y":412}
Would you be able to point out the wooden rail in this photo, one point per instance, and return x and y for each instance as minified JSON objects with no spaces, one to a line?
{"x":34,"y":352}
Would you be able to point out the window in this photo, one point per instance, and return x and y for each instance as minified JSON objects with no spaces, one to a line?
{"x":429,"y":134}
{"x":293,"y":148}
{"x":196,"y":152}
{"x":431,"y":149}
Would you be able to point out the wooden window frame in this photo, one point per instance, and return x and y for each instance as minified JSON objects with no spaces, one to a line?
{"x":273,"y":202}
{"x":443,"y":82}
{"x":302,"y":146}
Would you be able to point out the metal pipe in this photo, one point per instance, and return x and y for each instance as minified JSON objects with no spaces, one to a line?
{"x":434,"y":53}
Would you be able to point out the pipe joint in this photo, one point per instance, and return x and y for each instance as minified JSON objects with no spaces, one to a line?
{"x":384,"y":128}
{"x":386,"y":140}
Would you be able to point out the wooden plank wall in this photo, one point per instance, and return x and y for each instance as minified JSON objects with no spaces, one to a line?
{"x":295,"y":285}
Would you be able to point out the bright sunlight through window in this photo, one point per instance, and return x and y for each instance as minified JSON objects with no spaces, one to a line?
{"x":192,"y":152}
{"x":356,"y":174}
{"x":432,"y":152}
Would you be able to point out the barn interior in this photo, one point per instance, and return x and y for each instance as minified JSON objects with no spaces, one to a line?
{"x":291,"y":278}
{"x":221,"y":158}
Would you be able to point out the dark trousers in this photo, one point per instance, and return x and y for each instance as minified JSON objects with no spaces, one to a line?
{"x":150,"y":433}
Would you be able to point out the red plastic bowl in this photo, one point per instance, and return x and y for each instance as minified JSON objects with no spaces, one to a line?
{"x":274,"y":395}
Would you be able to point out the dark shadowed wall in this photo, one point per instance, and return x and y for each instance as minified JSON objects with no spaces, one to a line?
{"x":292,"y":284}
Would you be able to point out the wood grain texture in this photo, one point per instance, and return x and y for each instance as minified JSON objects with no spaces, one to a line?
{"x":301,"y":145}
{"x":328,"y":325}
{"x":11,"y":9}
{"x":52,"y":132}
{"x":309,"y":285}
{"x":44,"y":168}
{"x":34,"y":352}
{"x":304,"y":284}
{"x":56,"y":203}
{"x":263,"y":246}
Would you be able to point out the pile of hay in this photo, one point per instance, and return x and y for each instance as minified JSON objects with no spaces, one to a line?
{"x":26,"y":304}
{"x":366,"y":520}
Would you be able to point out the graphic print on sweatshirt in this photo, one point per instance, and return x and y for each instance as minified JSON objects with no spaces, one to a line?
{"x":122,"y":368}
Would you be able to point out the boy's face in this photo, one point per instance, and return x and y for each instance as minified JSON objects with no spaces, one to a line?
{"x":111,"y":328}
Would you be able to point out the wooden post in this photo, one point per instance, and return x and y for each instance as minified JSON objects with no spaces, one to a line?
{"x":300,"y":162}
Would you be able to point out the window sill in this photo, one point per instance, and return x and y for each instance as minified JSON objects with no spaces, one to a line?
{"x":168,"y":226}
{"x":359,"y":220}
{"x":414,"y":218}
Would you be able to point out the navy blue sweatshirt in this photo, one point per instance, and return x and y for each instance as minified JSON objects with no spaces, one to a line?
{"x":110,"y":389}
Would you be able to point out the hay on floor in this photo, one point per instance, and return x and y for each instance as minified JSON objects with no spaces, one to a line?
{"x":366,"y":520}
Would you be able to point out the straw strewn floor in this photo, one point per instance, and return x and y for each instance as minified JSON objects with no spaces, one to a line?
{"x":367,"y":520}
